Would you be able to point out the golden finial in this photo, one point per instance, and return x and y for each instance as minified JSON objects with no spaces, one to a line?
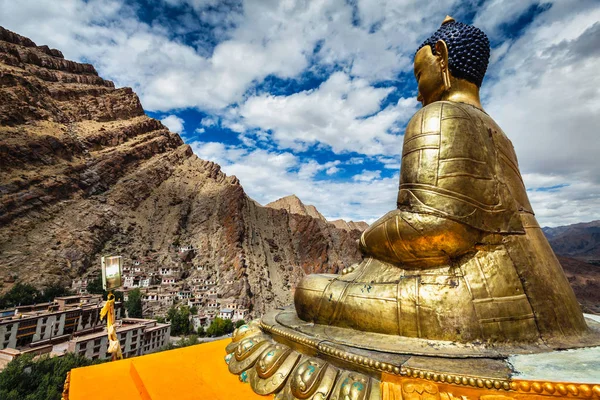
{"x":447,"y":19}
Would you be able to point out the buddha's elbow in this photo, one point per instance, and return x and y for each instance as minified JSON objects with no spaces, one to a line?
{"x":417,"y":240}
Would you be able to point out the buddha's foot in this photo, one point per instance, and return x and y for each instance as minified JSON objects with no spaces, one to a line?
{"x":436,"y":303}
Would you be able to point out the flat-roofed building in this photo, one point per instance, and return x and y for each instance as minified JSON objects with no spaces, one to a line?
{"x":226,"y":313}
{"x":137,"y":337}
{"x":35,"y":325}
{"x":240,"y":313}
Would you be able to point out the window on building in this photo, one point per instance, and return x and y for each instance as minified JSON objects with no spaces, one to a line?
{"x":24,"y":340}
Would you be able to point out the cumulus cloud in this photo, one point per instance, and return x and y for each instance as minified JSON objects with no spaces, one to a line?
{"x":272,"y":175}
{"x":343,"y":113}
{"x":174,"y":123}
{"x":258,"y":39}
{"x":542,"y":86}
{"x":544,"y":93}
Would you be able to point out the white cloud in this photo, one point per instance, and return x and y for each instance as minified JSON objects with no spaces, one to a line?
{"x":542,"y":87}
{"x":493,"y":14}
{"x":545,"y":95}
{"x":269,"y":175}
{"x":255,"y":40}
{"x":208,"y":121}
{"x":343,"y":113}
{"x":367,"y":176}
{"x":174,"y":123}
{"x":563,"y":200}
{"x":332,"y":170}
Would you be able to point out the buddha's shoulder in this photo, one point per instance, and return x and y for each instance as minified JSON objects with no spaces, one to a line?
{"x":429,"y":118}
{"x":449,"y":109}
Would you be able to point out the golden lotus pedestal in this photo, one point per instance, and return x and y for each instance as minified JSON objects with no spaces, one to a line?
{"x":293,"y":359}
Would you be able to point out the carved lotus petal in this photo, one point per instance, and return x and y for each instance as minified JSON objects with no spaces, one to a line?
{"x":306,"y":377}
{"x":354,"y":387}
{"x":246,"y":347}
{"x":244,"y":331}
{"x":271,"y":359}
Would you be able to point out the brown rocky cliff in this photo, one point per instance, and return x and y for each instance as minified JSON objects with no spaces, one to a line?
{"x":84,"y":173}
{"x":294,"y":205}
{"x":350,"y":225}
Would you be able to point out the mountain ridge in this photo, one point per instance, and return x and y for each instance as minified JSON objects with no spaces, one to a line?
{"x":86,"y":173}
{"x":580,"y":241}
{"x":294,"y":205}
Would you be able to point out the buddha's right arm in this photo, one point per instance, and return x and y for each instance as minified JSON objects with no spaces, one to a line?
{"x":416,"y":234}
{"x":417,"y":240}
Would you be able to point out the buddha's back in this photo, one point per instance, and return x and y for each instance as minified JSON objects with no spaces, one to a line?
{"x":458,"y":164}
{"x":462,"y":257}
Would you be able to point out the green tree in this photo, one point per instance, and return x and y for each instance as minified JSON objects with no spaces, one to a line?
{"x":219,"y":327}
{"x":53,"y":291}
{"x":134,"y":304}
{"x":239,"y":323}
{"x":20,"y":294}
{"x":40,"y":379}
{"x":201,"y":331}
{"x":95,"y":286}
{"x":185,"y":342}
{"x":180,"y":318}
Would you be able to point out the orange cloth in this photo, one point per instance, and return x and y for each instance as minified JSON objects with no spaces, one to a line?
{"x":195,"y":372}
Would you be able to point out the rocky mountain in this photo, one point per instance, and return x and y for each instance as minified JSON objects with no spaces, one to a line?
{"x":577,"y":247}
{"x":350,"y":225}
{"x":84,"y":173}
{"x":580,"y":241}
{"x":294,"y":205}
{"x":585,"y":281}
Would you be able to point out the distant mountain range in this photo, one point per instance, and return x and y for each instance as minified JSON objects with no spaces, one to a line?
{"x":579,"y":241}
{"x":577,"y":247}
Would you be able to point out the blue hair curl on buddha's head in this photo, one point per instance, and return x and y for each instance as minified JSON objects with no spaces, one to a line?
{"x":468,"y":49}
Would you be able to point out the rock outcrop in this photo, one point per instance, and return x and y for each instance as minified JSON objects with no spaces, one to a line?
{"x":350,"y":225}
{"x":294,"y":205}
{"x":84,"y":173}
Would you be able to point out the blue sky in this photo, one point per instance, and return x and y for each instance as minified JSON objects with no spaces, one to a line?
{"x":312,"y":97}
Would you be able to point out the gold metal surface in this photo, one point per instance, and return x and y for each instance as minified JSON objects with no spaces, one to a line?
{"x":462,"y":258}
{"x":247,"y":352}
{"x":387,"y":376}
{"x":272,"y":370}
{"x":454,"y":281}
{"x":244,"y":331}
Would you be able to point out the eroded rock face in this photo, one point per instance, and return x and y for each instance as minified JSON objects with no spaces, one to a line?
{"x":294,"y":205}
{"x":84,"y":173}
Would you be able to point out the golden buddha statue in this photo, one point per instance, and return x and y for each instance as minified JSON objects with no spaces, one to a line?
{"x":456,"y":282}
{"x":462,"y":258}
